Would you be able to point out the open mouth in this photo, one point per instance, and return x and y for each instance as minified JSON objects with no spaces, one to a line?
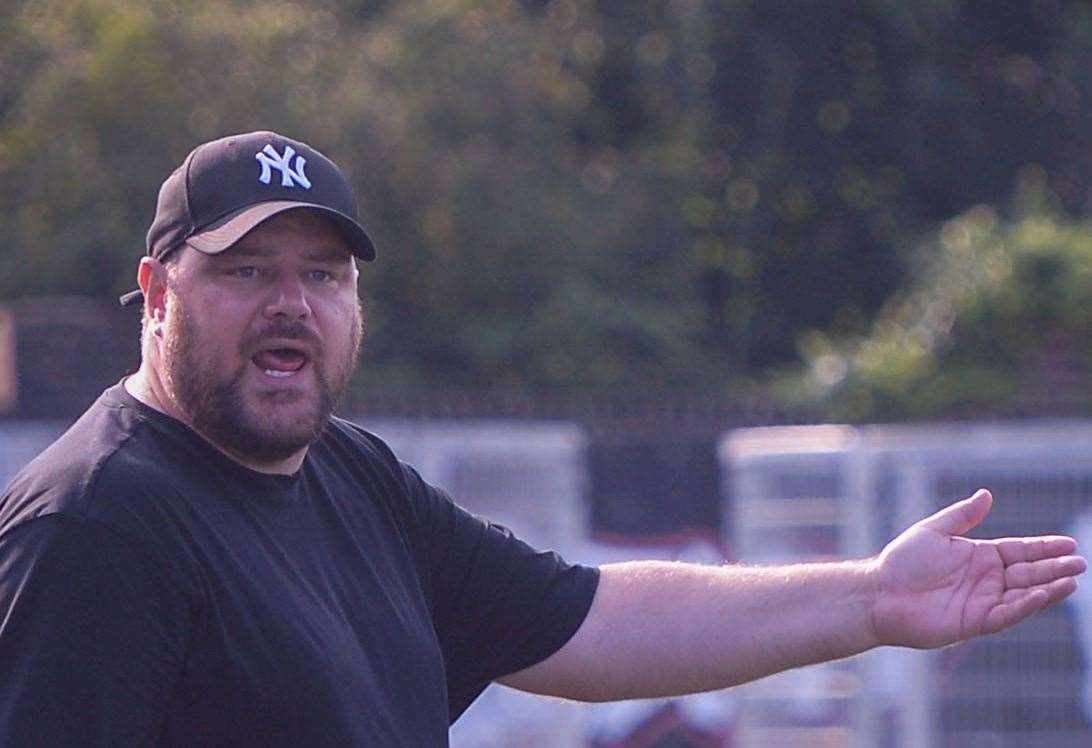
{"x":280,"y":362}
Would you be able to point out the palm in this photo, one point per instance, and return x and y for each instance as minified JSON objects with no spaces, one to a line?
{"x":937,"y":587}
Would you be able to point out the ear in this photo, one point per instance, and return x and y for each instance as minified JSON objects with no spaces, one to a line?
{"x":152,"y":279}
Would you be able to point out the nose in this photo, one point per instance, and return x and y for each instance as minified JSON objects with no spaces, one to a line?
{"x":288,"y":299}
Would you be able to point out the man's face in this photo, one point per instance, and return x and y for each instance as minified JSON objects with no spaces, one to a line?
{"x":259,"y":341}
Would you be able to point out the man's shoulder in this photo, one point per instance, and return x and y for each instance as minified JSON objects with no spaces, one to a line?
{"x":348,"y":439}
{"x":348,"y":443}
{"x":109,"y":447}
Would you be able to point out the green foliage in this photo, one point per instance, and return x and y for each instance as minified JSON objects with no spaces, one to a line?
{"x":572,"y":194}
{"x":999,"y":315}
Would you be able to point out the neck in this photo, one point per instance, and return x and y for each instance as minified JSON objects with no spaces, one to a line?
{"x":147,"y":386}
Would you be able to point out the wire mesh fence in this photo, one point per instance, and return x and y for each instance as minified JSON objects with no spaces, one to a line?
{"x":807,"y":493}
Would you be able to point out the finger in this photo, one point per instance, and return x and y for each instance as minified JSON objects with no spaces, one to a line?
{"x":1019,"y":604}
{"x":1055,"y":591}
{"x":1051,"y":603}
{"x":1023,"y":574}
{"x":1006,"y":614}
{"x":1060,"y":589}
{"x":1014,"y":550}
{"x":961,"y":516}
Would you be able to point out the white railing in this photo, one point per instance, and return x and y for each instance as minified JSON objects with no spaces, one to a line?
{"x":813,"y":492}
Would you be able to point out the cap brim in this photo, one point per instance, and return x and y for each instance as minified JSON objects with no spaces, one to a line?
{"x":222,"y":234}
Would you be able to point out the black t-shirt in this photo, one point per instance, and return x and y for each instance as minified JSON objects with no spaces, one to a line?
{"x":155,"y":592}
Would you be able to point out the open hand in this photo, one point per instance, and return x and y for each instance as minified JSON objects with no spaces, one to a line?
{"x":936,"y":587}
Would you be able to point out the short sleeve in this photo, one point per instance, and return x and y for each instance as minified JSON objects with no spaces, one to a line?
{"x":92,"y":636}
{"x":498,"y":605}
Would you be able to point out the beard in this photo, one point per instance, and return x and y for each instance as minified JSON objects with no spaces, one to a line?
{"x":215,"y":402}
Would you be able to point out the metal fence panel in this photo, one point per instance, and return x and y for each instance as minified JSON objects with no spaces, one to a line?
{"x":802,"y":493}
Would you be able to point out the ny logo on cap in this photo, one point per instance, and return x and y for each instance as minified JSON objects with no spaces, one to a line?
{"x":290,"y":176}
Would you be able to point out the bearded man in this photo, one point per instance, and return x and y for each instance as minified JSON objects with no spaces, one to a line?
{"x":210,"y":557}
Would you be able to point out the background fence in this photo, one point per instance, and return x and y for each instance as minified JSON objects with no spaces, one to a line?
{"x":806,"y":493}
{"x":796,"y":493}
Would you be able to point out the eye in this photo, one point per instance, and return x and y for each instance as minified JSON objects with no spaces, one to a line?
{"x":321,"y":276}
{"x":245,"y":271}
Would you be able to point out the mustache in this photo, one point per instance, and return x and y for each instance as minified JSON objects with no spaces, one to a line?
{"x":283,"y":330}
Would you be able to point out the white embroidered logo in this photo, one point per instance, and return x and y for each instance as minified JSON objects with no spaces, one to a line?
{"x":291,"y":176}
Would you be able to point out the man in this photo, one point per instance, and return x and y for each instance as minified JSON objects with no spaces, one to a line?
{"x":208,"y":557}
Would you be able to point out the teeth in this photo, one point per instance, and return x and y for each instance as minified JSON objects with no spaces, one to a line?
{"x":279,"y":374}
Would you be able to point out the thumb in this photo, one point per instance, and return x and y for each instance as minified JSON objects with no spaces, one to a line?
{"x":961,"y":516}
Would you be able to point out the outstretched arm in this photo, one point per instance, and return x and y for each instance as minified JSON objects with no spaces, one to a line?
{"x":661,"y":628}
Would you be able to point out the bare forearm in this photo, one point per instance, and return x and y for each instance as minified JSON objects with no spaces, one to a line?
{"x":660,"y":628}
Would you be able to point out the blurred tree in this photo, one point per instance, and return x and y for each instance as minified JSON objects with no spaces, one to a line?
{"x":567,"y":194}
{"x":998,"y":320}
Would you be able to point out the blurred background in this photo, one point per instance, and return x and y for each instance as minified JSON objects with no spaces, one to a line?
{"x":615,"y":238}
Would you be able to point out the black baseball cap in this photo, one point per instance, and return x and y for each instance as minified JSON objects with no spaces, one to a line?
{"x":227,"y":187}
